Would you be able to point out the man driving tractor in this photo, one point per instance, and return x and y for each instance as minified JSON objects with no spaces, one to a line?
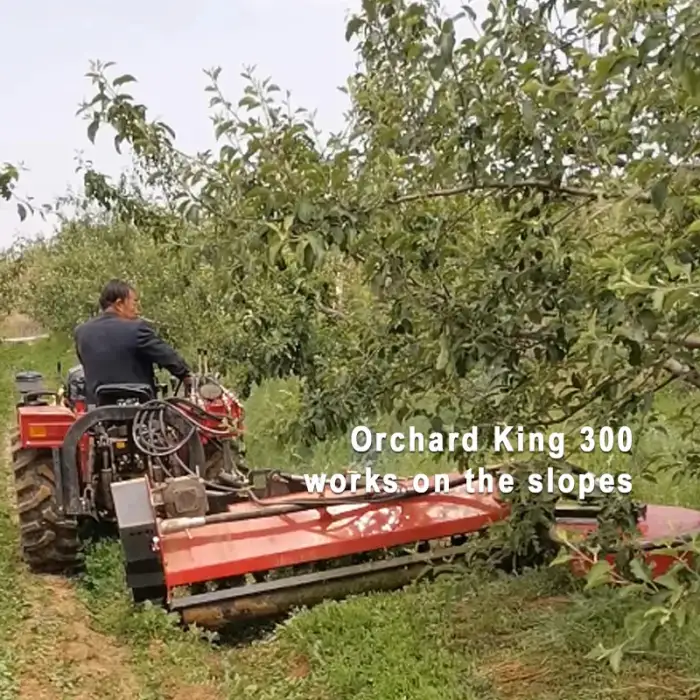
{"x":119,"y":347}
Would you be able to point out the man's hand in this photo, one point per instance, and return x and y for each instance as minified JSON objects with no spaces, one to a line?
{"x":187,"y":383}
{"x":159,"y":352}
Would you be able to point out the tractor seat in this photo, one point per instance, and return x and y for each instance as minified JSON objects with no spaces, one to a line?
{"x":112,"y":394}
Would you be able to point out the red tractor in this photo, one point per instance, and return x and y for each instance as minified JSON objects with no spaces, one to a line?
{"x":66,"y":457}
{"x":213,"y":540}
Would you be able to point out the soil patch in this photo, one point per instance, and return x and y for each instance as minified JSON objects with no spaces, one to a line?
{"x":61,"y":654}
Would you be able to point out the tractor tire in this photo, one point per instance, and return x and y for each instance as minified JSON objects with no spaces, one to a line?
{"x":49,"y":542}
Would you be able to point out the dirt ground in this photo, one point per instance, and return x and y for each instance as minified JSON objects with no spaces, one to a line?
{"x":60,"y":650}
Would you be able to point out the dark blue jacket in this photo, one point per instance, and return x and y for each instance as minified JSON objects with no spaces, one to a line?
{"x":114,"y":350}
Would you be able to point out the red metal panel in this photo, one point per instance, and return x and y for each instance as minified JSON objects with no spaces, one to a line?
{"x":44,"y":426}
{"x":661,"y":524}
{"x":230,"y":549}
{"x":80,"y":408}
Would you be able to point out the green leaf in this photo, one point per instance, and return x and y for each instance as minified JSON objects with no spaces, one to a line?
{"x":370,"y":9}
{"x":680,"y":615}
{"x":598,"y":653}
{"x":615,"y":659}
{"x":274,"y":251}
{"x":123,"y":79}
{"x":640,"y":570}
{"x":305,"y":211}
{"x":192,"y":213}
{"x":437,"y":67}
{"x":317,"y":246}
{"x":658,"y":298}
{"x":353,"y":27}
{"x":223,"y":128}
{"x":668,"y":581}
{"x":673,"y":296}
{"x":563,"y":557}
{"x":309,"y":257}
{"x":598,"y":575}
{"x":21,"y":211}
{"x":658,"y":193}
{"x":447,"y":41}
{"x":92,"y":129}
{"x":249,"y":102}
{"x":444,"y":356}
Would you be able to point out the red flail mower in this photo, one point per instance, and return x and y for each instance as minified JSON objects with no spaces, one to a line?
{"x":208,"y":537}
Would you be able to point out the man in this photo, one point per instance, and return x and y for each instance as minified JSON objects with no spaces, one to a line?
{"x":118,"y":347}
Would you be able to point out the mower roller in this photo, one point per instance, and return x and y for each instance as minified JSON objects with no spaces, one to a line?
{"x":217,"y":542}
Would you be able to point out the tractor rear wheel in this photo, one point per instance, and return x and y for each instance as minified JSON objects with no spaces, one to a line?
{"x":50,"y":542}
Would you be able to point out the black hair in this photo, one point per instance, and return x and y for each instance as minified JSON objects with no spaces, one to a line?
{"x":114,"y":291}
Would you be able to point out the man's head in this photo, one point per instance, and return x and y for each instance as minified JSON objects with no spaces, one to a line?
{"x":120,"y":298}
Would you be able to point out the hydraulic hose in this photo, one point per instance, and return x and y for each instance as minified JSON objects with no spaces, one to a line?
{"x":155,"y":441}
{"x":152,"y":437}
{"x":294,"y":506}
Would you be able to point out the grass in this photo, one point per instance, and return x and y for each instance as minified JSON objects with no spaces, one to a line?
{"x":479,"y":636}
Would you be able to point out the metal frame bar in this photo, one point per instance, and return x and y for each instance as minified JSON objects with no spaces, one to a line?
{"x":58,"y":479}
{"x":217,"y":608}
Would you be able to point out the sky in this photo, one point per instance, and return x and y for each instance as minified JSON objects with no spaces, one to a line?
{"x":166,"y":45}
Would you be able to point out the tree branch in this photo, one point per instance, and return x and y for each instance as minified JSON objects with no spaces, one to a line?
{"x":690,"y":341}
{"x":684,"y":372}
{"x":522,"y":184}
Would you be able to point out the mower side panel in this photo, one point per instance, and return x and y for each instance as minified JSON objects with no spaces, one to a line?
{"x":137,"y":529}
{"x":44,"y":426}
{"x":222,"y":550}
{"x":660,"y":525}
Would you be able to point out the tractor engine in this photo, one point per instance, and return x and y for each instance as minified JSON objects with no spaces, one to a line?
{"x":113,"y":457}
{"x":180,"y":444}
{"x":119,"y":452}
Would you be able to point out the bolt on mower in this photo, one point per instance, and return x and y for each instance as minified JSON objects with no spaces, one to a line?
{"x":210,"y":538}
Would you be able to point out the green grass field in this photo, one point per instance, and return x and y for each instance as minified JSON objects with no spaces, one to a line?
{"x":478,"y":636}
